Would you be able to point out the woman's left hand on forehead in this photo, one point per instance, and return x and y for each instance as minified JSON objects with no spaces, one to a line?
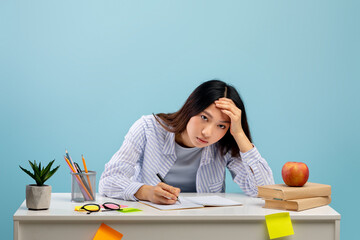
{"x":228,"y":107}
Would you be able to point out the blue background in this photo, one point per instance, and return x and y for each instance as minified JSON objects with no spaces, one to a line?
{"x":76,"y":74}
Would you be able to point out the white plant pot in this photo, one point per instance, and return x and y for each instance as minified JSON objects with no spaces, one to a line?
{"x":38,"y":197}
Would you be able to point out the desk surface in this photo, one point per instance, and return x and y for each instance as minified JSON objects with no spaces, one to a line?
{"x":61,"y":208}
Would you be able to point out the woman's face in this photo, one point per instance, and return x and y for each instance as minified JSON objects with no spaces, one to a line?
{"x":206,"y":128}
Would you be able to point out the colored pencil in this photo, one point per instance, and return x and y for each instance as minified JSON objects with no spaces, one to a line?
{"x":69,"y":158}
{"x":86,"y":170}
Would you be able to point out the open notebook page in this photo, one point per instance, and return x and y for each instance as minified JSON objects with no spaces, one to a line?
{"x":195,"y":202}
{"x":183,"y":205}
{"x":213,"y":201}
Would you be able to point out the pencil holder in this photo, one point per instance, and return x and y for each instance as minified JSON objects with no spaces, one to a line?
{"x":83,"y":186}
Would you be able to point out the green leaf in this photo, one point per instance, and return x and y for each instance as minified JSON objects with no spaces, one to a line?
{"x":38,"y":180}
{"x":51,"y":173}
{"x":28,"y":172}
{"x":32,"y":165}
{"x":47,"y":169}
{"x":35,"y":168}
{"x":37,"y":174}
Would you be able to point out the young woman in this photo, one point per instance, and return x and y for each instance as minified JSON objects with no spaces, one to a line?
{"x":190,"y":148}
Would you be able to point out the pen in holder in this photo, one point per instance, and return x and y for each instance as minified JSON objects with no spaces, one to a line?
{"x":83,"y":186}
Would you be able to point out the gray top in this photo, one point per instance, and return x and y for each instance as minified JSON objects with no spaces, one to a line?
{"x":183,"y":173}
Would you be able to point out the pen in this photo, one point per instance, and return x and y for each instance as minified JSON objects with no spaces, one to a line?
{"x":162,"y":180}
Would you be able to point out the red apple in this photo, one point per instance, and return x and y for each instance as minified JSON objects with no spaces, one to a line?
{"x":295,"y":174}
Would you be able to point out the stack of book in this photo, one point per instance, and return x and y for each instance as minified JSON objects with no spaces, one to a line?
{"x":281,"y":196}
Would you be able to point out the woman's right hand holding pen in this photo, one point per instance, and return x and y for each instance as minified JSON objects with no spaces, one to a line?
{"x":159,"y":194}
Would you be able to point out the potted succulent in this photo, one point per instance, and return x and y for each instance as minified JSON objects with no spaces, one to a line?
{"x":38,"y":195}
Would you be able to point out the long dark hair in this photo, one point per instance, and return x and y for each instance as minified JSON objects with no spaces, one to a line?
{"x":201,"y":98}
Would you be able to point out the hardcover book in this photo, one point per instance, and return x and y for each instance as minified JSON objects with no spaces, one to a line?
{"x":284,"y":192}
{"x":297,"y":204}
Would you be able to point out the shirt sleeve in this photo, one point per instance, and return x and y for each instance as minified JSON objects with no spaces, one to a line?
{"x":249,"y":171}
{"x":117,"y":180}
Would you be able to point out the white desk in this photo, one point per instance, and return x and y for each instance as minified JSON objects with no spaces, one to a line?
{"x":60,"y":221}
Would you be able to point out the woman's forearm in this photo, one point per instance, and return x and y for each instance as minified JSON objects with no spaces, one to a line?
{"x":243,"y":142}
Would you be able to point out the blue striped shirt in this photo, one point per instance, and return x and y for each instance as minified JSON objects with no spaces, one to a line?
{"x":149,"y":149}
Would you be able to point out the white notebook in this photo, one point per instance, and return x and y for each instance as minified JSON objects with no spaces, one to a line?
{"x":196,"y":202}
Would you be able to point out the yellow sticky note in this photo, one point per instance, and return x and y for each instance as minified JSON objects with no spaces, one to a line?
{"x":279,"y":225}
{"x":108,"y":233}
{"x":77,"y":208}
